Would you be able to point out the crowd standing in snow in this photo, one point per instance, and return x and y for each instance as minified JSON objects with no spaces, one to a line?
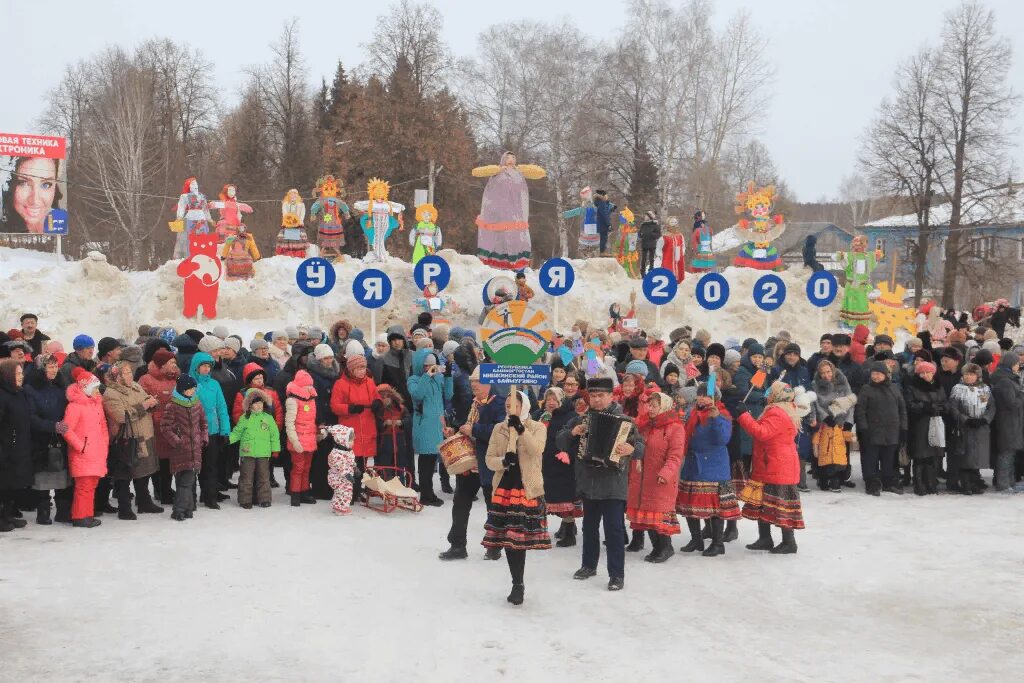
{"x":170,"y":418}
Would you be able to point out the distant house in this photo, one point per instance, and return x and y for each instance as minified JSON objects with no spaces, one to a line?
{"x":993,"y":232}
{"x":831,"y":239}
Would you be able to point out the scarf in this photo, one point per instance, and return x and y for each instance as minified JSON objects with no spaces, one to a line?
{"x":699,"y":416}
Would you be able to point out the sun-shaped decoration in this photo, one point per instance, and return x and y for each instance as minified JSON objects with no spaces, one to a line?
{"x":378,"y":190}
{"x":890,"y":312}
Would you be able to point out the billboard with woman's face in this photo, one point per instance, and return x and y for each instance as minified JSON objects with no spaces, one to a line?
{"x":33,"y":184}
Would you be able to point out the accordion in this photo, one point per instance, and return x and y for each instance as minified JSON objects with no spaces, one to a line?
{"x":604,"y":433}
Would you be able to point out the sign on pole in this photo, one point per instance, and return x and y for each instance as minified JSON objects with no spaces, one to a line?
{"x":315,"y":277}
{"x":372,"y":288}
{"x":434,"y":269}
{"x":712,"y":291}
{"x":769,"y":292}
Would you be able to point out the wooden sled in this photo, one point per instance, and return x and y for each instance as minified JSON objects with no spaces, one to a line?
{"x":393,"y":493}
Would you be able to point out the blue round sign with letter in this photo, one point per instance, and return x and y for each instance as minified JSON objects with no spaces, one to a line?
{"x":434,"y":269}
{"x":372,"y":288}
{"x":822,"y":288}
{"x":769,"y":292}
{"x":315,"y":276}
{"x":660,"y":286}
{"x":712,"y":291}
{"x":557,"y":276}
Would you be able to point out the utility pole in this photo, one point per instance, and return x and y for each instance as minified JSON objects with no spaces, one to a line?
{"x":432,"y":174}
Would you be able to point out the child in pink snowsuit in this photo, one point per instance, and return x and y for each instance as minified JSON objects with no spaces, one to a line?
{"x":342,"y":464}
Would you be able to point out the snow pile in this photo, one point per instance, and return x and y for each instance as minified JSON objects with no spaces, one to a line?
{"x":94,"y":297}
{"x":725,"y":240}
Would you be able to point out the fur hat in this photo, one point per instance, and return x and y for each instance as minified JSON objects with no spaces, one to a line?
{"x":210,"y":343}
{"x":600,"y":384}
{"x":233,"y":343}
{"x":716,"y":349}
{"x":162,"y":357}
{"x":253,"y":395}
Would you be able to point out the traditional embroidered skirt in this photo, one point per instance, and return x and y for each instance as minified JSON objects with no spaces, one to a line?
{"x":331,"y":236}
{"x":664,"y":523}
{"x":292,"y":247}
{"x":238,"y":266}
{"x":504,"y":246}
{"x":776,"y":504}
{"x":739,"y":475}
{"x":571,"y":509}
{"x":703,"y":262}
{"x":759,"y":259}
{"x":855,"y":310}
{"x":707,"y":499}
{"x":514,"y":521}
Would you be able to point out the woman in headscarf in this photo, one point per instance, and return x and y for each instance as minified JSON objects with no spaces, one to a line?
{"x":517,"y":518}
{"x":559,"y":472}
{"x":128,"y":406}
{"x":834,"y":405}
{"x":48,"y":402}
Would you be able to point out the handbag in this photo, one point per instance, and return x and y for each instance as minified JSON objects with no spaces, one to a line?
{"x":123,"y":457}
{"x":55,"y":458}
{"x":936,"y":432}
{"x":176,"y":226}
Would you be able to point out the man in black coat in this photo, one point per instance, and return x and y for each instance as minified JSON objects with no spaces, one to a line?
{"x":31,"y":335}
{"x":881,"y":418}
{"x":1008,"y":427}
{"x":397,"y":366}
{"x":638,"y":350}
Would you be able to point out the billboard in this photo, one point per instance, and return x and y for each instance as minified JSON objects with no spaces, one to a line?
{"x":33,"y":184}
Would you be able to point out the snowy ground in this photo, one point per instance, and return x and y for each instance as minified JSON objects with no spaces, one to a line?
{"x":889,"y":589}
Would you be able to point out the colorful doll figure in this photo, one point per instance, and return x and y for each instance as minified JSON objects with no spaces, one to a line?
{"x":702,"y":245}
{"x":759,"y":228}
{"x":378,"y":220}
{"x":438,"y":306}
{"x":504,"y":221}
{"x":291,"y":239}
{"x":426,"y":237}
{"x":239,"y":253}
{"x":590,"y":240}
{"x":627,"y":255}
{"x":194,"y":210}
{"x":859,"y":264}
{"x":231,"y":211}
{"x":671,"y":252}
{"x":329,"y":214}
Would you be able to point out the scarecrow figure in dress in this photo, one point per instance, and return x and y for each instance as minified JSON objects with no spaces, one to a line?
{"x":378,"y":220}
{"x":671,"y":251}
{"x":291,"y":239}
{"x":859,"y":264}
{"x":626,"y":254}
{"x":701,"y":243}
{"x":329,"y":214}
{"x":590,"y":240}
{"x":437,"y":305}
{"x":426,"y":237}
{"x":239,"y":252}
{"x":504,"y":221}
{"x":231,"y":211}
{"x":194,"y":215}
{"x":760,"y":228}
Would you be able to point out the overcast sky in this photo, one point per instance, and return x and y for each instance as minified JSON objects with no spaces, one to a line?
{"x":834,"y":59}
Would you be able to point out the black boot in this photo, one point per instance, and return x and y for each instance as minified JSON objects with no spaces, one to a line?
{"x":308,"y":498}
{"x":706,"y":534}
{"x":86,"y":523}
{"x":873,"y":487}
{"x":454,"y":553}
{"x":696,"y":539}
{"x":561,"y":531}
{"x":764,"y":537}
{"x":492,"y":554}
{"x":101,"y":503}
{"x":731,"y":531}
{"x":273,"y":480}
{"x":919,"y":487}
{"x":63,"y":511}
{"x":788,"y":545}
{"x":637,"y":544}
{"x":517,"y":596}
{"x":664,"y":549}
{"x":43,"y":509}
{"x":210,"y":500}
{"x":568,"y":535}
{"x":143,"y":500}
{"x":655,"y":545}
{"x":296,"y":500}
{"x":717,"y":547}
{"x":426,"y":472}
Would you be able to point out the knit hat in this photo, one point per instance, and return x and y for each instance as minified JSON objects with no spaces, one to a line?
{"x":392,"y":336}
{"x":449,"y":348}
{"x":791,"y":348}
{"x":184,"y":383}
{"x":992,"y":347}
{"x":209,"y":344}
{"x":984,"y":357}
{"x":431,"y":359}
{"x":250,"y":371}
{"x":697,"y":349}
{"x":879,"y":366}
{"x":353,"y":363}
{"x":885,"y":355}
{"x":755,"y":349}
{"x":671,"y":369}
{"x":456,"y":333}
{"x":1008,"y":361}
{"x":732,"y":356}
{"x":354,"y":348}
{"x":419,"y":332}
{"x":954,"y":354}
{"x":233,"y":343}
{"x":257,"y":344}
{"x":80,"y":374}
{"x":382,"y":339}
{"x":83,"y":341}
{"x":221,"y":331}
{"x":162,"y":357}
{"x":925,"y":355}
{"x":106,"y":345}
{"x":716,"y":349}
{"x":278,"y":334}
{"x":291,"y":333}
{"x":924,"y":367}
{"x":825,"y":337}
{"x":637,"y":367}
{"x":323,"y":351}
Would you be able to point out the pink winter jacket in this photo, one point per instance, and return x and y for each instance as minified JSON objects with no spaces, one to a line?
{"x":87,"y":438}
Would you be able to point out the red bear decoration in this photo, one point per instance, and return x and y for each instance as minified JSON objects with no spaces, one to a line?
{"x":202,"y":271}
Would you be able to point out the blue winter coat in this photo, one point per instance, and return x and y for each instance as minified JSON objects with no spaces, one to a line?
{"x":707,"y":454}
{"x":490,"y":416}
{"x":210,"y":395}
{"x":429,"y":394}
{"x":604,"y":214}
{"x":798,"y":376}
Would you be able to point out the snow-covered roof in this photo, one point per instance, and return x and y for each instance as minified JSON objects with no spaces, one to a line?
{"x":1000,"y":206}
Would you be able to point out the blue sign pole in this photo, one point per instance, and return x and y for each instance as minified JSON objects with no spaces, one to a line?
{"x":556,"y":278}
{"x":822,"y":290}
{"x":712,"y":291}
{"x":372,"y":289}
{"x":660,"y":288}
{"x":315,"y":277}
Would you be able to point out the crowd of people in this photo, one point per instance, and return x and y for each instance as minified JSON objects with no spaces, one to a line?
{"x":716,"y":430}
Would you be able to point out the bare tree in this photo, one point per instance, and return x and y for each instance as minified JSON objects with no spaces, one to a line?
{"x":412,"y":31}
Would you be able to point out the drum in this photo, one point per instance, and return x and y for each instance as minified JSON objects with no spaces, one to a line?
{"x":458,"y":454}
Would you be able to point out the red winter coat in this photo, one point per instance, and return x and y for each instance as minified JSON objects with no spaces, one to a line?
{"x":858,"y":346}
{"x":775,"y":460}
{"x":159,"y":386}
{"x":185,"y":430}
{"x":664,"y":449}
{"x":300,"y":414}
{"x":237,"y":409}
{"x":348,"y":392}
{"x":87,"y":438}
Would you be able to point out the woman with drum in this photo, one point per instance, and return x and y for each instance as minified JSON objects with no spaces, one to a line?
{"x":517,"y":518}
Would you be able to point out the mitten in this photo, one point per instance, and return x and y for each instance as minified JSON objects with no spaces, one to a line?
{"x":740,"y":409}
{"x":61,"y":428}
{"x":510,"y":460}
{"x":562,"y":457}
{"x":377,"y":405}
{"x":355,"y":408}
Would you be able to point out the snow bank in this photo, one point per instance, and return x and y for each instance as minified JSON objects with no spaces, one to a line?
{"x":94,"y":297}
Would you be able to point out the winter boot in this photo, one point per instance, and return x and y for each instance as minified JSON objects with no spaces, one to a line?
{"x":454,"y":553}
{"x":696,"y":539}
{"x":492,"y":554}
{"x":664,"y":551}
{"x":932,"y":467}
{"x":273,"y":480}
{"x":63,"y":511}
{"x":717,"y":547}
{"x":616,"y":583}
{"x":764,"y":537}
{"x":517,"y":595}
{"x":86,"y":523}
{"x":919,"y":487}
{"x":308,"y":498}
{"x":446,"y":486}
{"x":124,"y":501}
{"x":43,"y":511}
{"x":706,"y":534}
{"x":584,"y":573}
{"x":101,"y":504}
{"x":144,"y":500}
{"x":13,"y":514}
{"x":731,"y":531}
{"x":561,"y":531}
{"x":873,"y":487}
{"x":637,"y":544}
{"x":788,"y":545}
{"x":296,"y":500}
{"x":568,"y":539}
{"x":179,"y":515}
{"x":655,"y":545}
{"x":426,"y":472}
{"x":5,"y":524}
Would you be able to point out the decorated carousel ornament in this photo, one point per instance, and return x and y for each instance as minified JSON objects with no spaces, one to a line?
{"x":504,"y":221}
{"x":329,"y":214}
{"x":702,"y":245}
{"x":759,"y":228}
{"x":239,"y":252}
{"x":291,"y":239}
{"x":193,"y":217}
{"x":231,"y":211}
{"x":425,"y":239}
{"x":859,"y":264}
{"x":590,"y":240}
{"x":671,"y":252}
{"x":378,"y":220}
{"x":627,"y":254}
